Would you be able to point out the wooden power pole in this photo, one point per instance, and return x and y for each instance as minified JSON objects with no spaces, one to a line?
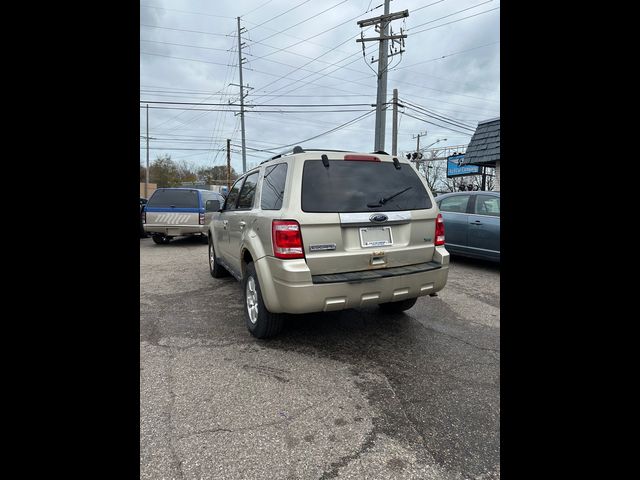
{"x":228,"y":165}
{"x":383,"y":63}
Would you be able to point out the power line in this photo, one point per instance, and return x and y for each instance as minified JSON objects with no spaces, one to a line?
{"x":308,"y":95}
{"x":436,"y":114}
{"x":450,"y":15}
{"x":305,"y":20}
{"x":455,"y":21}
{"x":425,"y":6}
{"x":279,"y":15}
{"x":328,"y":131}
{"x":442,"y":118}
{"x":183,"y":58}
{"x":257,"y":8}
{"x":270,"y":104}
{"x":184,"y":11}
{"x":317,"y":34}
{"x":441,"y":126}
{"x":262,"y":72}
{"x":448,"y":55}
{"x":183,"y":30}
{"x":209,"y":96}
{"x":289,"y":73}
{"x":264,"y":111}
{"x":185,"y":45}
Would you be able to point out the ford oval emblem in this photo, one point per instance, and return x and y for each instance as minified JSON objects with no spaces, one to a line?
{"x":378,"y":218}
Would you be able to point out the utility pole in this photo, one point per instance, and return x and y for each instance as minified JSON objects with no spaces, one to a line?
{"x":383,"y":57}
{"x":394,"y":136}
{"x":418,"y":155}
{"x":228,"y":165}
{"x":240,"y":59}
{"x":146,"y":173}
{"x":382,"y":83}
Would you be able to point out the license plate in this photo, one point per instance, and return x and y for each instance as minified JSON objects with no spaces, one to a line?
{"x":376,"y":236}
{"x":173,"y":231}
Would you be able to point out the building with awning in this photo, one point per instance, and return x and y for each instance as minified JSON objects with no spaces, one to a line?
{"x":484,"y":148}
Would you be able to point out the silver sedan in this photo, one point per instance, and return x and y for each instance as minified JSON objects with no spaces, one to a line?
{"x":472,"y":223}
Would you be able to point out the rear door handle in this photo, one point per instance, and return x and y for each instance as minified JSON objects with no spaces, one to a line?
{"x":477,"y":222}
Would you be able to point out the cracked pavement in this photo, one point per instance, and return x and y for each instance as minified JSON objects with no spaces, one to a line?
{"x":352,"y":394}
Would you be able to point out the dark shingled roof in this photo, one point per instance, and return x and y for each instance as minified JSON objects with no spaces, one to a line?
{"x":484,"y":147}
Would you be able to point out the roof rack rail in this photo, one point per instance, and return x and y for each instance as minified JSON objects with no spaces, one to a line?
{"x":296,"y":149}
{"x":325,"y":150}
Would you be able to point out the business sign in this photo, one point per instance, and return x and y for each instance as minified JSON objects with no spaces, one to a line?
{"x":455,"y":168}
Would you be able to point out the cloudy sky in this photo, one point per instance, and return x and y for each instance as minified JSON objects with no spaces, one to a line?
{"x":304,"y":53}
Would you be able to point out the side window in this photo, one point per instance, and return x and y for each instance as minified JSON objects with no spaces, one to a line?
{"x":455,"y":203}
{"x":211,"y":196}
{"x":273,"y":187}
{"x":248,"y":192}
{"x":487,"y":205}
{"x":230,"y":204}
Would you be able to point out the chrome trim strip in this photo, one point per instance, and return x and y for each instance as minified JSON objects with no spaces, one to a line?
{"x":363,"y":218}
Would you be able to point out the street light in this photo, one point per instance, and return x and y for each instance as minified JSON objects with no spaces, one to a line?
{"x":426,"y":159}
{"x":438,"y":140}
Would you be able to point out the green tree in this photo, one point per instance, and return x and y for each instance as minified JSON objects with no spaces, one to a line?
{"x":215,"y":174}
{"x":164,"y":172}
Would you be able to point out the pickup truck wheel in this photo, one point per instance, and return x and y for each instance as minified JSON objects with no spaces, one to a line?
{"x":397,"y":307}
{"x":216,"y":270}
{"x":260,"y":321}
{"x":160,"y":239}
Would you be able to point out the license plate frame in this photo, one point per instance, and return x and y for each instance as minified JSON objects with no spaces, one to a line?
{"x":376,"y":241}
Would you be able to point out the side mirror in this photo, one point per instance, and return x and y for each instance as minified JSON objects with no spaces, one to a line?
{"x":212,"y":206}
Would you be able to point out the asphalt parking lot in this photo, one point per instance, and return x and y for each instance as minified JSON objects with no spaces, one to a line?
{"x":352,"y":394}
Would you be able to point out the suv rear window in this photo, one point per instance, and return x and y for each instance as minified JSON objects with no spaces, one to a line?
{"x":174,"y":198}
{"x":347,"y":186}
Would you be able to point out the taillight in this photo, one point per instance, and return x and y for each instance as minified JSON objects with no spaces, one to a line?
{"x":287,"y":239}
{"x":439,"y":230}
{"x":201,"y":218}
{"x":362,"y":158}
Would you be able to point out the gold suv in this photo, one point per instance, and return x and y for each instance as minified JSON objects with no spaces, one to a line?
{"x":323,"y":230}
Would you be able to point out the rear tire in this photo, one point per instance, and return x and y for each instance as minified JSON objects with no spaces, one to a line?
{"x":260,"y":322}
{"x":397,"y":307}
{"x":160,"y":239}
{"x":215,"y":269}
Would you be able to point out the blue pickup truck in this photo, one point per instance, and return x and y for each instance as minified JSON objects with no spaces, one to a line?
{"x":174,"y":212}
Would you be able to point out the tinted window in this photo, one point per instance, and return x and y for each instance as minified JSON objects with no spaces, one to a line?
{"x":273,"y":187}
{"x":230,"y":204}
{"x":212,"y":196}
{"x":455,"y":203}
{"x":167,"y":198}
{"x":248,"y":191}
{"x":348,"y":186}
{"x":487,"y":205}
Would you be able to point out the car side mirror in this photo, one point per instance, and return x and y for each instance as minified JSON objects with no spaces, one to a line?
{"x":212,"y":206}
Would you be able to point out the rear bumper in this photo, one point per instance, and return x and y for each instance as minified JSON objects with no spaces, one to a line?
{"x":288,"y":286}
{"x":175,"y":230}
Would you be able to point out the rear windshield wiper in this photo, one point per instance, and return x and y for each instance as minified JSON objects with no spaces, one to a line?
{"x":384,"y":200}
